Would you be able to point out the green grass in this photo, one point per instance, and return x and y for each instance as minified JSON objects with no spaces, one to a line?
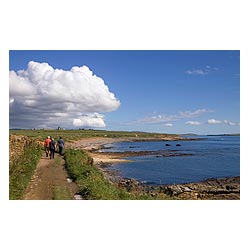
{"x":58,"y":161}
{"x":22,"y":169}
{"x":93,"y":185}
{"x":62,"y":193}
{"x":72,"y":135}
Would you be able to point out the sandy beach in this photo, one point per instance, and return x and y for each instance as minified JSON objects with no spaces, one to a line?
{"x":93,"y":144}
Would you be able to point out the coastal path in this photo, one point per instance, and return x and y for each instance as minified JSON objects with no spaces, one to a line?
{"x":50,"y":181}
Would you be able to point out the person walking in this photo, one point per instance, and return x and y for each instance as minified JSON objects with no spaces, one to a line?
{"x":46,"y":145}
{"x":60,"y":143}
{"x":52,"y":148}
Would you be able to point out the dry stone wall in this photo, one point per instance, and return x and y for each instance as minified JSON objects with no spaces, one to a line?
{"x":17,"y":144}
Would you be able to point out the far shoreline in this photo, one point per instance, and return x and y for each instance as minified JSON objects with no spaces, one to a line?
{"x":94,"y":144}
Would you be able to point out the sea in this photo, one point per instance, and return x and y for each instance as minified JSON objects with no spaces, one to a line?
{"x":208,"y":157}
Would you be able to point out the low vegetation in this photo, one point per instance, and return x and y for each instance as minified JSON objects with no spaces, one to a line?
{"x":72,"y":135}
{"x":92,"y":183}
{"x":21,"y":170}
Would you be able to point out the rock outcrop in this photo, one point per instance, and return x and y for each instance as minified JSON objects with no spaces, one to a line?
{"x":214,"y":189}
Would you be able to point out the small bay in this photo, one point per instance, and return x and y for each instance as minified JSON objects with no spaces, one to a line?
{"x":209,"y":157}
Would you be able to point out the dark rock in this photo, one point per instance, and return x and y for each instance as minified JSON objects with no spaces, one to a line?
{"x":211,"y":189}
{"x":167,"y":145}
{"x":174,"y":190}
{"x":178,"y":145}
{"x":232,"y":187}
{"x":186,"y":189}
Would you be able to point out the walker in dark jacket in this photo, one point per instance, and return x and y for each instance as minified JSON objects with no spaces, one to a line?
{"x":60,"y":143}
{"x":52,"y":148}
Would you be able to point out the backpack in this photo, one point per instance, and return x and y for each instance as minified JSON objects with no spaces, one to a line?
{"x":52,"y":145}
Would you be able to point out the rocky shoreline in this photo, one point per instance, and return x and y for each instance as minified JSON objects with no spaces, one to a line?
{"x":227,"y":188}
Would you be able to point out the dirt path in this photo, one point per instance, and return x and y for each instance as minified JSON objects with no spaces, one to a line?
{"x":49,"y":181}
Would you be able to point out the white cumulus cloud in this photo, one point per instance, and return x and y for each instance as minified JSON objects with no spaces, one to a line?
{"x":213,"y":121}
{"x":207,"y":70}
{"x":43,"y":96}
{"x":161,"y":118}
{"x":194,"y":123}
{"x":169,"y":124}
{"x":197,"y":72}
{"x":229,"y":123}
{"x":90,"y":120}
{"x":188,"y":114}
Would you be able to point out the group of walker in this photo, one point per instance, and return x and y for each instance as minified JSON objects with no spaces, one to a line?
{"x":50,"y":146}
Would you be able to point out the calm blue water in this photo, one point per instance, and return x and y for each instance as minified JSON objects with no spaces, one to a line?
{"x":216,"y":156}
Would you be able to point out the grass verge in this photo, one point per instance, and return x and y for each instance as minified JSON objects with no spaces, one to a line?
{"x":92,"y":183}
{"x":22,"y":169}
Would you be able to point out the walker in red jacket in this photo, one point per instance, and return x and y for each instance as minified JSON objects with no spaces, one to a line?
{"x":46,"y":145}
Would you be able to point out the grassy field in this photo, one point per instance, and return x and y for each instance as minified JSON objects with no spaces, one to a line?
{"x":21,"y":170}
{"x":72,"y":135}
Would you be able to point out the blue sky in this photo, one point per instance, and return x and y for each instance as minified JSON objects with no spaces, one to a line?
{"x":158,"y":91}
